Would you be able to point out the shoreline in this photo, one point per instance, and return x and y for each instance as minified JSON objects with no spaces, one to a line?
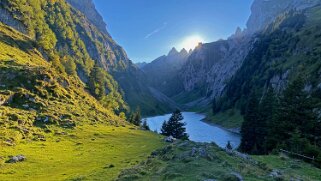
{"x":232,"y":130}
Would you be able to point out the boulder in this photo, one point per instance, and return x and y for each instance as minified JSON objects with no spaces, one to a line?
{"x":275,"y":174}
{"x":170,"y":139}
{"x":15,"y":159}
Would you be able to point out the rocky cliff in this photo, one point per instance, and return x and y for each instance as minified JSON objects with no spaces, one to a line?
{"x":265,"y":12}
{"x":87,"y":7}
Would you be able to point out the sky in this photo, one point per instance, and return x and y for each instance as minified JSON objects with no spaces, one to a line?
{"x":147,"y":29}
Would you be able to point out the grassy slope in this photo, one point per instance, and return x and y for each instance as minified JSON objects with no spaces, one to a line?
{"x":96,"y":140}
{"x":176,"y":163}
{"x":86,"y":153}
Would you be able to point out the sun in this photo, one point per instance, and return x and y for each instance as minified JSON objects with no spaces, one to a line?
{"x":191,"y":42}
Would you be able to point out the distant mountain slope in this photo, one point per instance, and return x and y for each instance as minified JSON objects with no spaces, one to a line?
{"x":163,"y":70}
{"x":209,"y":67}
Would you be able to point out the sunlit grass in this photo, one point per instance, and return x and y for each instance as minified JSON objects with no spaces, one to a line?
{"x":90,"y":152}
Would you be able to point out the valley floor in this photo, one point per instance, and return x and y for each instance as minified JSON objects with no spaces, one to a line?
{"x":93,"y":152}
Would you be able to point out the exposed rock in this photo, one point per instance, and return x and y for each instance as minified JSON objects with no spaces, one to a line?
{"x":276,"y":174}
{"x":201,"y":152}
{"x":8,"y":19}
{"x":193,"y":151}
{"x":88,"y":8}
{"x":237,"y":176}
{"x":265,"y":12}
{"x":211,"y":65}
{"x":15,"y":159}
{"x":170,"y":139}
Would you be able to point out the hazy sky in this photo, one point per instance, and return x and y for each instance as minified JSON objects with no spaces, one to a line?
{"x":147,"y":29}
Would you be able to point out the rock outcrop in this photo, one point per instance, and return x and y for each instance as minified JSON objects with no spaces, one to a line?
{"x":7,"y":19}
{"x":265,"y":12}
{"x":87,"y":7}
{"x":211,"y":66}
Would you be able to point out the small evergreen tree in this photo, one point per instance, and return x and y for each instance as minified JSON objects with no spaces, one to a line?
{"x":145,"y":125}
{"x":174,"y":126}
{"x":137,"y":117}
{"x":214,"y":106}
{"x":229,"y":146}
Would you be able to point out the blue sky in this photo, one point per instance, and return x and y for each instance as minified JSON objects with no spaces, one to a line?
{"x":147,"y":29}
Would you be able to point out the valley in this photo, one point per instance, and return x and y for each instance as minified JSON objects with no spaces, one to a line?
{"x":74,"y":106}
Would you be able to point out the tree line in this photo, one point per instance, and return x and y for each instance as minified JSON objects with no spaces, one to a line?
{"x":289,"y":121}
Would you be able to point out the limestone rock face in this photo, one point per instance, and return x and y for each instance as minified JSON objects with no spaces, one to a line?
{"x":88,"y":8}
{"x":265,"y":12}
{"x":211,"y":65}
{"x":7,"y":19}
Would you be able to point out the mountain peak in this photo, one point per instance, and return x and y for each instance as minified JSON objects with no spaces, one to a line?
{"x":183,"y":51}
{"x":173,"y":52}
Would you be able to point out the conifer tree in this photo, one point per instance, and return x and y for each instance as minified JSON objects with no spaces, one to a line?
{"x":145,"y":125}
{"x":266,"y":120}
{"x":175,"y":126}
{"x":137,"y":117}
{"x":248,"y":129}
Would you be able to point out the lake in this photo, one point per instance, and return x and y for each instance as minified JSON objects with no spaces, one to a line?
{"x":198,"y":130}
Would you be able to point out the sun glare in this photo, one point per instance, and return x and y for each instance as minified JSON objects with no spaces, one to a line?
{"x":191,"y":42}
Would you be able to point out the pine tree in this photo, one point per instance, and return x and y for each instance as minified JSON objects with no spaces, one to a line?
{"x":266,"y":120}
{"x":145,"y":125}
{"x":296,"y":111}
{"x":174,"y":126}
{"x":137,"y":117}
{"x":229,"y":146}
{"x":97,"y":82}
{"x":248,"y":129}
{"x":214,"y":106}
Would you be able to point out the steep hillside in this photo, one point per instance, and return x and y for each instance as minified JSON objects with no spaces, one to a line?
{"x":83,"y":46}
{"x":36,"y":99}
{"x":130,"y":78}
{"x":264,"y":12}
{"x":288,"y":48}
{"x":49,"y":117}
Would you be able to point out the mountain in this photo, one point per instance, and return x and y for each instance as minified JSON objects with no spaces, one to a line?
{"x":87,"y":7}
{"x":264,"y":12}
{"x":141,"y":64}
{"x":211,"y":66}
{"x":114,"y":60}
{"x":162,"y":72}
